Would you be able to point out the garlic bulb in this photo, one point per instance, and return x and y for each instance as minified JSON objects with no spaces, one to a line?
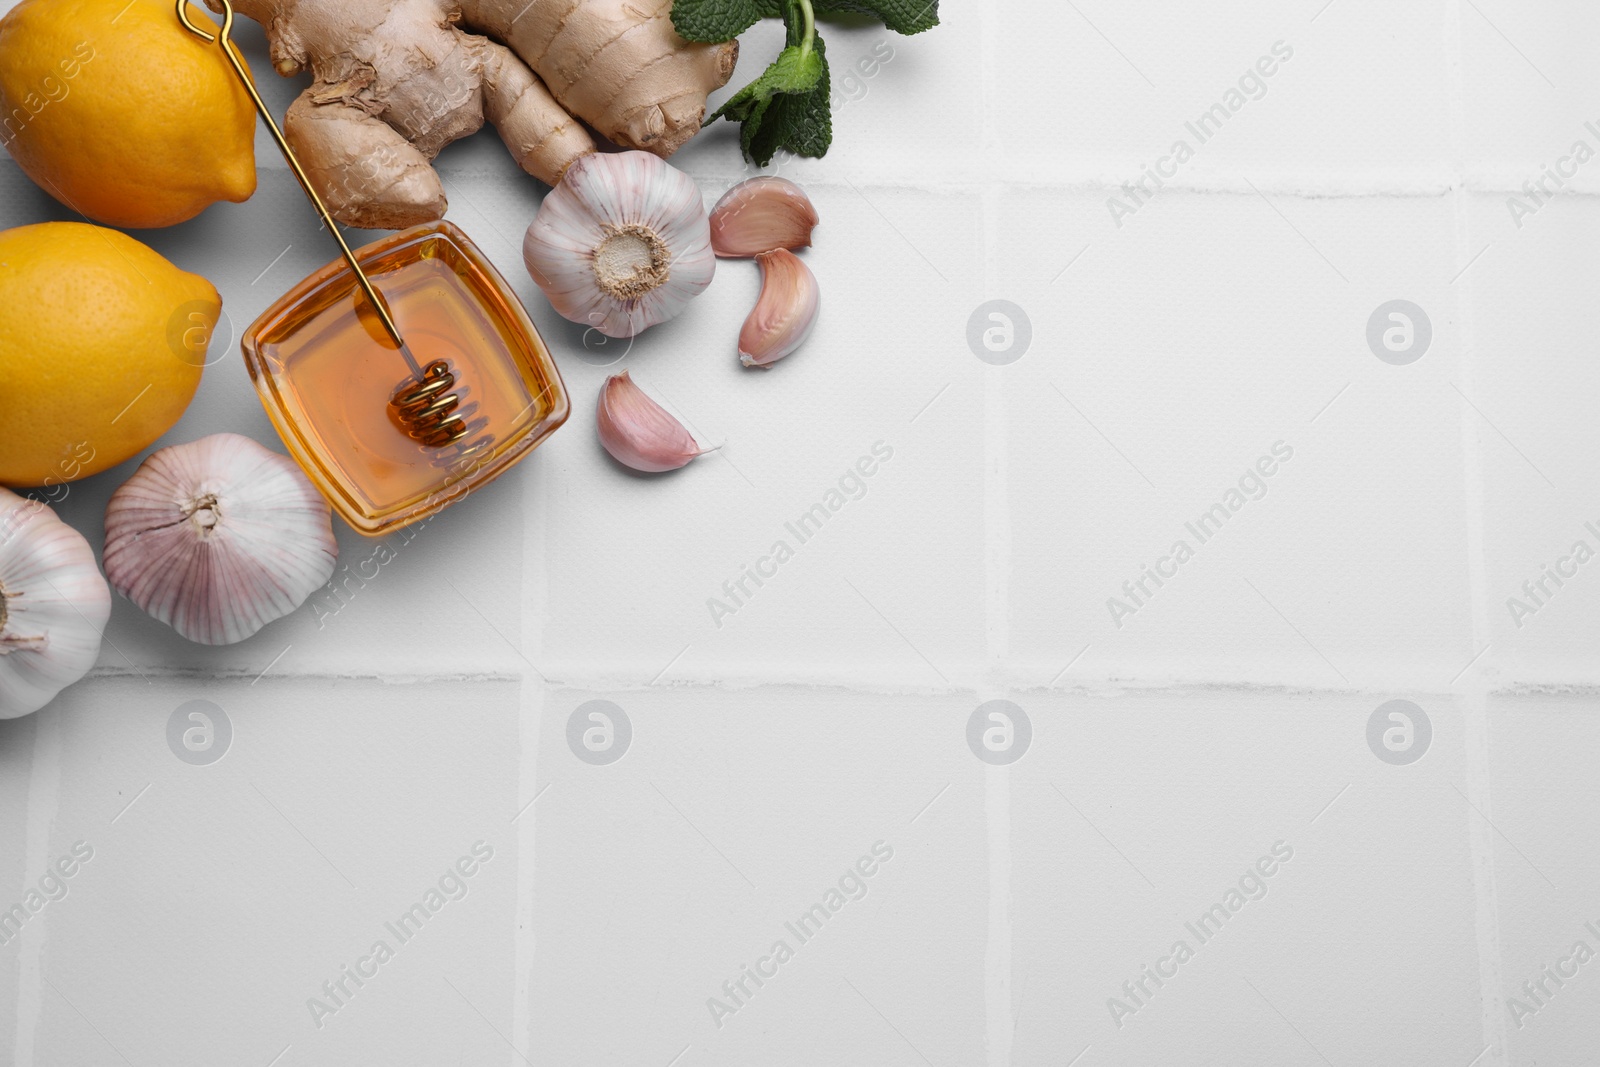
{"x":638,"y":432}
{"x":785,"y":312}
{"x":621,"y":244}
{"x":218,"y":538}
{"x":53,"y":605}
{"x":761,"y":214}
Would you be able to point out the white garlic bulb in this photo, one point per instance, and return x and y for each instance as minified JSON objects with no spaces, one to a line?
{"x":219,"y":537}
{"x":621,"y":244}
{"x":53,"y":605}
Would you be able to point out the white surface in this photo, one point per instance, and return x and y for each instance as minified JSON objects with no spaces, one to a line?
{"x":829,"y":713}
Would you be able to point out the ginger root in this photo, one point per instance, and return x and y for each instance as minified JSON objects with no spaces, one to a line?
{"x":397,"y":80}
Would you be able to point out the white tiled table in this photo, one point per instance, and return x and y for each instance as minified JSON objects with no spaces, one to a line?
{"x":1228,"y":713}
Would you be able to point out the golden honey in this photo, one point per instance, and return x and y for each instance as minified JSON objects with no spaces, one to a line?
{"x":325,"y":370}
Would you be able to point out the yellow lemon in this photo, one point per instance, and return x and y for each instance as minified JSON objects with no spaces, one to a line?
{"x":120,"y":113}
{"x":101,"y":349}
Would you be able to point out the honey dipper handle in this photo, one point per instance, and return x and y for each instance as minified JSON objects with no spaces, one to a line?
{"x":222,"y":38}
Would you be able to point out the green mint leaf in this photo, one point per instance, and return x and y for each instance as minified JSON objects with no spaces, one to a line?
{"x":902,"y":16}
{"x":751,"y":128}
{"x":794,"y":71}
{"x":799,"y":122}
{"x":711,"y":21}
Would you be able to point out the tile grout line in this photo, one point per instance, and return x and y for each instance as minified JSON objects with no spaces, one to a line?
{"x":535,"y":589}
{"x":999,"y":1028}
{"x":1475,"y":724}
{"x":44,"y":805}
{"x":1020,"y":675}
{"x":997,"y":580}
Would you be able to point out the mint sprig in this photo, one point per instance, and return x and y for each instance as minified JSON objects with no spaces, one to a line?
{"x":788,"y":107}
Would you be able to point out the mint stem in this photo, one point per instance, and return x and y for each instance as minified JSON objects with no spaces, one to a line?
{"x":810,"y":27}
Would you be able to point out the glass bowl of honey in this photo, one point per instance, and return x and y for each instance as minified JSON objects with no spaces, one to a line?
{"x":325,"y":370}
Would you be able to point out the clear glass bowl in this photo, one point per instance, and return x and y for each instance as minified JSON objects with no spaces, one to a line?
{"x":325,"y":371}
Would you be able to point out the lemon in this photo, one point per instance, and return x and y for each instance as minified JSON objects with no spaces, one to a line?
{"x":120,"y":113}
{"x":101,"y":349}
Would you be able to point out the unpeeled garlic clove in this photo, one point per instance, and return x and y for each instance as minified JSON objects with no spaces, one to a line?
{"x":217,"y":538}
{"x":784,"y":313}
{"x":760,"y":215}
{"x":638,"y":432}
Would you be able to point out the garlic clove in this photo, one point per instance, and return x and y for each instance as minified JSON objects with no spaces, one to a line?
{"x":53,"y":605}
{"x":762,"y":214}
{"x":217,"y":538}
{"x":638,"y":432}
{"x":784,"y":313}
{"x":621,"y":244}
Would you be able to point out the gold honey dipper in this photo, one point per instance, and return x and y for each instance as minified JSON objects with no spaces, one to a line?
{"x":424,"y":405}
